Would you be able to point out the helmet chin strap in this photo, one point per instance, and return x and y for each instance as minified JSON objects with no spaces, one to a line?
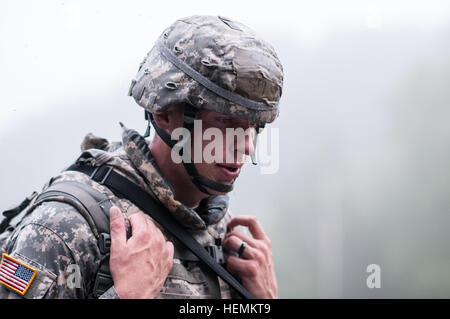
{"x":189,"y":115}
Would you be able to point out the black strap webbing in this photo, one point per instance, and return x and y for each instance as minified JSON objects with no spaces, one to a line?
{"x":121,"y":186}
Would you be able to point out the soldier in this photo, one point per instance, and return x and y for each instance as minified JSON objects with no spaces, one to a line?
{"x":202,"y":67}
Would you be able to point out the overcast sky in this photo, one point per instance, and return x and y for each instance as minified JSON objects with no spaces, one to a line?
{"x":56,"y":49}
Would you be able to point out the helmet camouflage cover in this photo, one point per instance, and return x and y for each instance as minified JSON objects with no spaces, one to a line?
{"x":214,"y":63}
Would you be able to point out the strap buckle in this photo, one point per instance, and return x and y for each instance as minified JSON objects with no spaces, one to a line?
{"x":216,"y":253}
{"x":103,"y":173}
{"x":102,"y":283}
{"x":104,"y":243}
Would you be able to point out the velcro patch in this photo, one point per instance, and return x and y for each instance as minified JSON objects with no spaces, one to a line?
{"x":15,"y":274}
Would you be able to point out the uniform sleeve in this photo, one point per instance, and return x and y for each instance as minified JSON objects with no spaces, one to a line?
{"x":56,"y":241}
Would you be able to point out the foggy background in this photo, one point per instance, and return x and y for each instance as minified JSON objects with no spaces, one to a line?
{"x":364,"y":139}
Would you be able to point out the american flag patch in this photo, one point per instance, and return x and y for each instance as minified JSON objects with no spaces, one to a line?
{"x":15,"y":274}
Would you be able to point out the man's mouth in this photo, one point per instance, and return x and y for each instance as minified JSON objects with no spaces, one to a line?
{"x":230,"y":168}
{"x":230,"y":171}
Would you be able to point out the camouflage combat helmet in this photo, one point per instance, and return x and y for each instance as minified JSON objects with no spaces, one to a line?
{"x":213,"y":63}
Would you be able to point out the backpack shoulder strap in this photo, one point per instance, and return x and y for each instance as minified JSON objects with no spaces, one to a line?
{"x":94,"y":207}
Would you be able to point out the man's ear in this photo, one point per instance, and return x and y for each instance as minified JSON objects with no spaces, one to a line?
{"x":169,"y":120}
{"x":162,"y":120}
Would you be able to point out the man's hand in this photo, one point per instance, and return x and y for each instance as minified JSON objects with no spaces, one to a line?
{"x":255,"y":266}
{"x":140,"y":265}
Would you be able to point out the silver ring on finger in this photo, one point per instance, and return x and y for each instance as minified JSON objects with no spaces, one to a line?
{"x":242,"y":248}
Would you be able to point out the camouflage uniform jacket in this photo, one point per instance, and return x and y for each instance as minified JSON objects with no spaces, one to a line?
{"x":55,"y":235}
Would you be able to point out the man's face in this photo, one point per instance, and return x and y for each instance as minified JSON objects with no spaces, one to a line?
{"x":234,"y":143}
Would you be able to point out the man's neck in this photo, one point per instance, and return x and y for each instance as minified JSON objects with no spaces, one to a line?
{"x":185,"y":191}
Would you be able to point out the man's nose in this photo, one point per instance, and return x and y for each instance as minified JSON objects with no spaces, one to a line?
{"x":244,"y":146}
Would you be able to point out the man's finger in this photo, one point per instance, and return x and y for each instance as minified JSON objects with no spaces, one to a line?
{"x":153,"y":226}
{"x":233,"y":243}
{"x":249,"y":221}
{"x":138,"y":224}
{"x":118,"y":229}
{"x":241,"y":267}
{"x":243,"y":237}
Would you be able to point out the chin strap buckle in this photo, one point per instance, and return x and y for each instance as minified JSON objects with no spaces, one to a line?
{"x":216,"y":253}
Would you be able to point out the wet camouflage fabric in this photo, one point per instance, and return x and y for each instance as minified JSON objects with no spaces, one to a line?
{"x":55,"y":235}
{"x":228,"y":53}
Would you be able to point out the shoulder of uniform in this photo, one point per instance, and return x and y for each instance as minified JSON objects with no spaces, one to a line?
{"x":58,"y":216}
{"x":64,"y":221}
